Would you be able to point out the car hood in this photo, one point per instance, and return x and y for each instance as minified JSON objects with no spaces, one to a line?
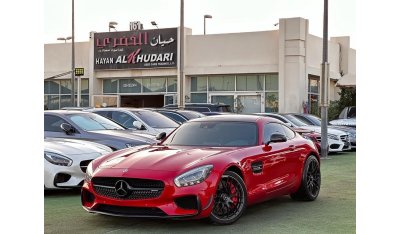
{"x":74,"y":147}
{"x":127,"y":135}
{"x":330,"y":130}
{"x":163,"y":158}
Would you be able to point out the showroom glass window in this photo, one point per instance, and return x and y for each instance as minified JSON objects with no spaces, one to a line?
{"x":130,"y":85}
{"x":198,"y":89}
{"x":57,"y":93}
{"x":271,"y":93}
{"x":154,"y":85}
{"x":110,"y":86}
{"x":313,"y":95}
{"x":221,"y":83}
{"x":231,"y":89}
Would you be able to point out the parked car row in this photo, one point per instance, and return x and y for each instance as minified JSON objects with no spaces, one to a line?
{"x":170,"y":163}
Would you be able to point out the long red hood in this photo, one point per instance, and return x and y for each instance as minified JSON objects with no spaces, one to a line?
{"x":163,"y":158}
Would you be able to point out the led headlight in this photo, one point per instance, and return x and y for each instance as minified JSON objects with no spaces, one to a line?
{"x":193,"y":177}
{"x":307,"y":137}
{"x":89,"y":172}
{"x":333,"y":137}
{"x":57,"y":159}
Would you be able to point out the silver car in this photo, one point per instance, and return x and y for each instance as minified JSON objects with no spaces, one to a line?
{"x":66,"y":160}
{"x":140,"y":120}
{"x":92,"y":127}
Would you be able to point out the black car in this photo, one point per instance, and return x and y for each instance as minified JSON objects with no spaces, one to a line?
{"x":203,"y":107}
{"x":92,"y":127}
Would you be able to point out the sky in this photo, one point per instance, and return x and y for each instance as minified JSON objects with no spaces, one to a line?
{"x":228,"y":16}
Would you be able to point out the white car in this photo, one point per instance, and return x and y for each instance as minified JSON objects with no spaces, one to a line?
{"x":337,"y":140}
{"x":66,"y":160}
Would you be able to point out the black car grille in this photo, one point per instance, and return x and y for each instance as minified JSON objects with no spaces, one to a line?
{"x":318,"y":139}
{"x":84,"y":165}
{"x":139,"y":188}
{"x":133,"y":211}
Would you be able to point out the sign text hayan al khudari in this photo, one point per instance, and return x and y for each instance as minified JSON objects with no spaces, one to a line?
{"x":144,"y":49}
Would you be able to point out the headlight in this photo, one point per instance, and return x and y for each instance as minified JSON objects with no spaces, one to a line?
{"x":194,"y":176}
{"x":307,"y":137}
{"x":333,"y":137}
{"x":57,"y":159}
{"x":89,"y":172}
{"x":352,"y":134}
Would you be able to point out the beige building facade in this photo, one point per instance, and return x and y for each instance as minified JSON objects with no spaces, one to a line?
{"x":265,"y":71}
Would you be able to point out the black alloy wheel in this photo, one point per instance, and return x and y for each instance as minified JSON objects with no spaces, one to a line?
{"x":230,"y":199}
{"x":311,"y":181}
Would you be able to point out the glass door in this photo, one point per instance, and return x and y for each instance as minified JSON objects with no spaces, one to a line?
{"x":248,"y":103}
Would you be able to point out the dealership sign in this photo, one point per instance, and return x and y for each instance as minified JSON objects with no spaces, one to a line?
{"x":135,"y":49}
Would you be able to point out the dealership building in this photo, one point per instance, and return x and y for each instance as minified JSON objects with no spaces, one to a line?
{"x":264,"y":71}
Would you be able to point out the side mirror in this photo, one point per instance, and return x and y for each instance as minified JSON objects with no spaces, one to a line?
{"x":67,"y":128}
{"x":161,"y":136}
{"x":276,"y":137}
{"x":138,"y":125}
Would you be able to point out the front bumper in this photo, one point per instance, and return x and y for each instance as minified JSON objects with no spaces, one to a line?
{"x":58,"y":177}
{"x":173,"y":202}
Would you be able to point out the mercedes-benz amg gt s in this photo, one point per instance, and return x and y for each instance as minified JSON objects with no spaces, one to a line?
{"x":209,"y":167}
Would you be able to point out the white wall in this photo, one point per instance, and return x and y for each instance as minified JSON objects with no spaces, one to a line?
{"x":251,"y":52}
{"x":314,"y":57}
{"x":57,"y":58}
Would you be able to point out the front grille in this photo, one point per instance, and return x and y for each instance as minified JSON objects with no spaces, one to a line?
{"x":141,"y":188}
{"x":318,"y":138}
{"x":84,"y":165}
{"x":134,"y":211}
{"x":344,"y":138}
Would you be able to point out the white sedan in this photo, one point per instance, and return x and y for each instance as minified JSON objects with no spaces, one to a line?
{"x":66,"y":160}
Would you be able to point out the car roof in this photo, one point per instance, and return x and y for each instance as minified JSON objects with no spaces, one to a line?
{"x":234,"y":117}
{"x":65,"y":111}
{"x":119,"y":109}
{"x":200,"y":104}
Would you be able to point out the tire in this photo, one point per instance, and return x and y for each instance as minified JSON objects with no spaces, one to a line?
{"x":229,"y":205}
{"x":310,"y":181}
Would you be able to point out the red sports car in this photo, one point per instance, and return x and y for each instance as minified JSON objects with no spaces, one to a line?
{"x":209,"y":167}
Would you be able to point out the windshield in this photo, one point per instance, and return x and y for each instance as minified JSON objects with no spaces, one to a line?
{"x":295,"y":121}
{"x":191,"y":114}
{"x":155,"y":119}
{"x":315,"y":119}
{"x":93,"y":122}
{"x":214,"y":133}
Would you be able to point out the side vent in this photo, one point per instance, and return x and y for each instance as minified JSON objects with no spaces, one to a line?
{"x":256,"y":167}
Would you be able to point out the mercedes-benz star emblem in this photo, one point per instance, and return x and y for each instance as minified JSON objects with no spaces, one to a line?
{"x":122,"y":188}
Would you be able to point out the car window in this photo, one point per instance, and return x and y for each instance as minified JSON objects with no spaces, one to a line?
{"x":288,"y":132}
{"x":93,"y":122}
{"x":174,"y":116}
{"x":278,"y":118}
{"x":103,"y":113}
{"x":155,"y":119}
{"x":215,"y":133}
{"x":52,"y":123}
{"x":304,"y":119}
{"x":295,"y":121}
{"x":191,"y":114}
{"x":122,"y":118}
{"x":271,"y":128}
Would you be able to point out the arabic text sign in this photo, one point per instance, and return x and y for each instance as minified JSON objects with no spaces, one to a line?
{"x":136,"y":49}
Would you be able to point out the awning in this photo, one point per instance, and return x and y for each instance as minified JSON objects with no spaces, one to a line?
{"x":348,"y":80}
